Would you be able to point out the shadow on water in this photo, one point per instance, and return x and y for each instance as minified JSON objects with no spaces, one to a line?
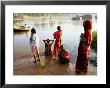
{"x":21,"y":32}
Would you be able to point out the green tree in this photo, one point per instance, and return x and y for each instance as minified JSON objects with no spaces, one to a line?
{"x":94,"y":41}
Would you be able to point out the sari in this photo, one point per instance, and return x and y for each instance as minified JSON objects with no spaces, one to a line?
{"x":57,"y":44}
{"x":83,"y":52}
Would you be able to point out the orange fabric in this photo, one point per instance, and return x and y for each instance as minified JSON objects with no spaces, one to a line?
{"x":57,"y":44}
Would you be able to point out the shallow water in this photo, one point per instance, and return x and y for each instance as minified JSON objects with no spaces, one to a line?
{"x":45,"y":29}
{"x":23,"y":58}
{"x":47,"y":66}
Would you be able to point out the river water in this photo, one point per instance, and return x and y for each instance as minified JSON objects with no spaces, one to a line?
{"x":45,"y":28}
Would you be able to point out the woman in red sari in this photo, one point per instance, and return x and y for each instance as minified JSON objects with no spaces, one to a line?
{"x":84,"y":47}
{"x":57,"y":36}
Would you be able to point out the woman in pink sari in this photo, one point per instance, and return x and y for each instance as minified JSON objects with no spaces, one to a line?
{"x":84,"y":47}
{"x":57,"y":36}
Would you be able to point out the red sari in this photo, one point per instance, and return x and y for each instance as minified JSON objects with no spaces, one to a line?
{"x":57,"y":44}
{"x":83,"y":53}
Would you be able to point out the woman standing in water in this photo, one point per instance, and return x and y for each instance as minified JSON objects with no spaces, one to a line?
{"x":34,"y":43}
{"x":57,"y":36}
{"x":84,"y":47}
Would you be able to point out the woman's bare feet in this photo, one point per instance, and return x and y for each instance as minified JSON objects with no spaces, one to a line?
{"x":38,"y":59}
{"x":34,"y":61}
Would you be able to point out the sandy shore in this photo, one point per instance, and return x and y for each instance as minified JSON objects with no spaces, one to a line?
{"x":25,"y":66}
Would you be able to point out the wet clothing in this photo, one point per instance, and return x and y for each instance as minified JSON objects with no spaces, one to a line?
{"x":34,"y":41}
{"x":57,"y":44}
{"x":64,"y":56}
{"x":48,"y":46}
{"x":83,"y":52}
{"x":48,"y":49}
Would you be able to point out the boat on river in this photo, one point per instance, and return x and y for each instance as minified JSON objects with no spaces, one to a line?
{"x":21,"y":28}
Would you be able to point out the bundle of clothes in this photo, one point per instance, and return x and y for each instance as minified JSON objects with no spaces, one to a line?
{"x":64,"y":55}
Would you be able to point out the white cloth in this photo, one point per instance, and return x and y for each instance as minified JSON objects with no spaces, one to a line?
{"x":34,"y":40}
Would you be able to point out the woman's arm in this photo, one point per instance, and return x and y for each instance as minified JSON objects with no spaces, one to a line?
{"x":30,"y":39}
{"x":52,"y":41}
{"x":44,"y":41}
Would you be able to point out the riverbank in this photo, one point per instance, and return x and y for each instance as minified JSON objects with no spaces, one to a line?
{"x":25,"y":66}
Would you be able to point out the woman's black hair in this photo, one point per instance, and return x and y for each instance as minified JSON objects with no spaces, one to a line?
{"x":33,"y":30}
{"x":58,"y":27}
{"x":48,"y":40}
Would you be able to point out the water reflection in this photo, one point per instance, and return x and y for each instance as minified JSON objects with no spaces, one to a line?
{"x":45,"y":28}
